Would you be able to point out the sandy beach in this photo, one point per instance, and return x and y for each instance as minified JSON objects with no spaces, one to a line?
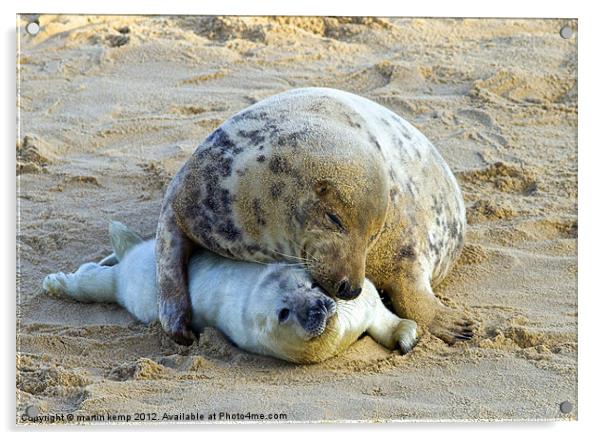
{"x":110,"y":107}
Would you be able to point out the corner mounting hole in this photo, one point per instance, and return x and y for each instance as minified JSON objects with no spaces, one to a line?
{"x":566,"y":407}
{"x":32,"y":28}
{"x":566,"y":32}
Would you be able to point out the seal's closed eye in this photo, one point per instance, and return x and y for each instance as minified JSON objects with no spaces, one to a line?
{"x":335,"y":220}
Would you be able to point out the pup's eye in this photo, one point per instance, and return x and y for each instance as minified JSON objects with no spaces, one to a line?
{"x":335,"y":220}
{"x":314,"y":285}
{"x":283,"y":314}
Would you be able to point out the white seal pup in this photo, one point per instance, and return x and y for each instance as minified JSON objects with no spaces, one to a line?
{"x":326,"y":178}
{"x":274,"y":309}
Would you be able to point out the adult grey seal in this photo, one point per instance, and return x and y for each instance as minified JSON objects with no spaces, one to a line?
{"x":326,"y":178}
{"x":272,"y":309}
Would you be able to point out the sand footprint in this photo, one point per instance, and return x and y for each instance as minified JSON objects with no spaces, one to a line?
{"x":140,"y":369}
{"x":550,"y":228}
{"x":504,"y":177}
{"x":487,"y":210}
{"x":522,"y":87}
{"x":382,"y":75}
{"x":32,"y":156}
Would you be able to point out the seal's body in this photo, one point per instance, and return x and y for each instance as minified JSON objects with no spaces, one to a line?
{"x":325,"y":178}
{"x":267,"y":309}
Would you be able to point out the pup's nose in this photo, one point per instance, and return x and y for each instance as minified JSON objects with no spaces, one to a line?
{"x":330,"y":305}
{"x":345,"y":291}
{"x":325,"y":305}
{"x":318,"y":311}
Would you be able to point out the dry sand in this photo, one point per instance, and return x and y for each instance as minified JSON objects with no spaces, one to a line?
{"x":111,"y":106}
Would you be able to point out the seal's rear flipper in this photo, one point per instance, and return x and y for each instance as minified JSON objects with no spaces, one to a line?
{"x":109,"y":260}
{"x":122,"y":239}
{"x":90,"y":283}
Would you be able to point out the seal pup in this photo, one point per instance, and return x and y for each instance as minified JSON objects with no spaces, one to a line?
{"x":273,"y":309}
{"x":326,"y":178}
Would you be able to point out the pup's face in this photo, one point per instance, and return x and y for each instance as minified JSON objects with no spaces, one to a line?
{"x":300,"y":309}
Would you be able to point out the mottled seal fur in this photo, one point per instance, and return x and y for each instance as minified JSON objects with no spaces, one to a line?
{"x":326,"y":178}
{"x":273,"y":309}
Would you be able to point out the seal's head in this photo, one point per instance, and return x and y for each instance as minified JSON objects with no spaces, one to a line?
{"x":342,"y":221}
{"x":299,"y":310}
{"x":312,"y":191}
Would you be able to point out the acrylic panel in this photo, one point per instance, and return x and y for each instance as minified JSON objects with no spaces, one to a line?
{"x":436,"y":157}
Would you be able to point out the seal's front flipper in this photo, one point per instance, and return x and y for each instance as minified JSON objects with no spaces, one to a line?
{"x":391,"y":331}
{"x":172,"y":251}
{"x":414,"y":298}
{"x":122,"y":240}
{"x":452,"y":325}
{"x":406,"y":335}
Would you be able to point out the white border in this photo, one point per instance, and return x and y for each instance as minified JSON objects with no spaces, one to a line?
{"x":589,"y":193}
{"x":421,"y":8}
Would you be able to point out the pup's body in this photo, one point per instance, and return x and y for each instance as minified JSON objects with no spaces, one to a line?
{"x":266,"y":309}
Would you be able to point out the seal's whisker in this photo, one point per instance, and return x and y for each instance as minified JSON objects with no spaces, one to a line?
{"x":301,"y":265}
{"x":310,"y":255}
{"x":281,"y":264}
{"x":258,"y":262}
{"x":305,"y":260}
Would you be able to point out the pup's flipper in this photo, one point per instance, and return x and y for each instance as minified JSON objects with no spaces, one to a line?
{"x":122,"y":240}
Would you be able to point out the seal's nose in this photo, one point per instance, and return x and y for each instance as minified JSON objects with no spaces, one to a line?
{"x":345,"y":291}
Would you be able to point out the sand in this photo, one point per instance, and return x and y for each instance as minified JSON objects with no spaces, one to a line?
{"x":110,"y":108}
